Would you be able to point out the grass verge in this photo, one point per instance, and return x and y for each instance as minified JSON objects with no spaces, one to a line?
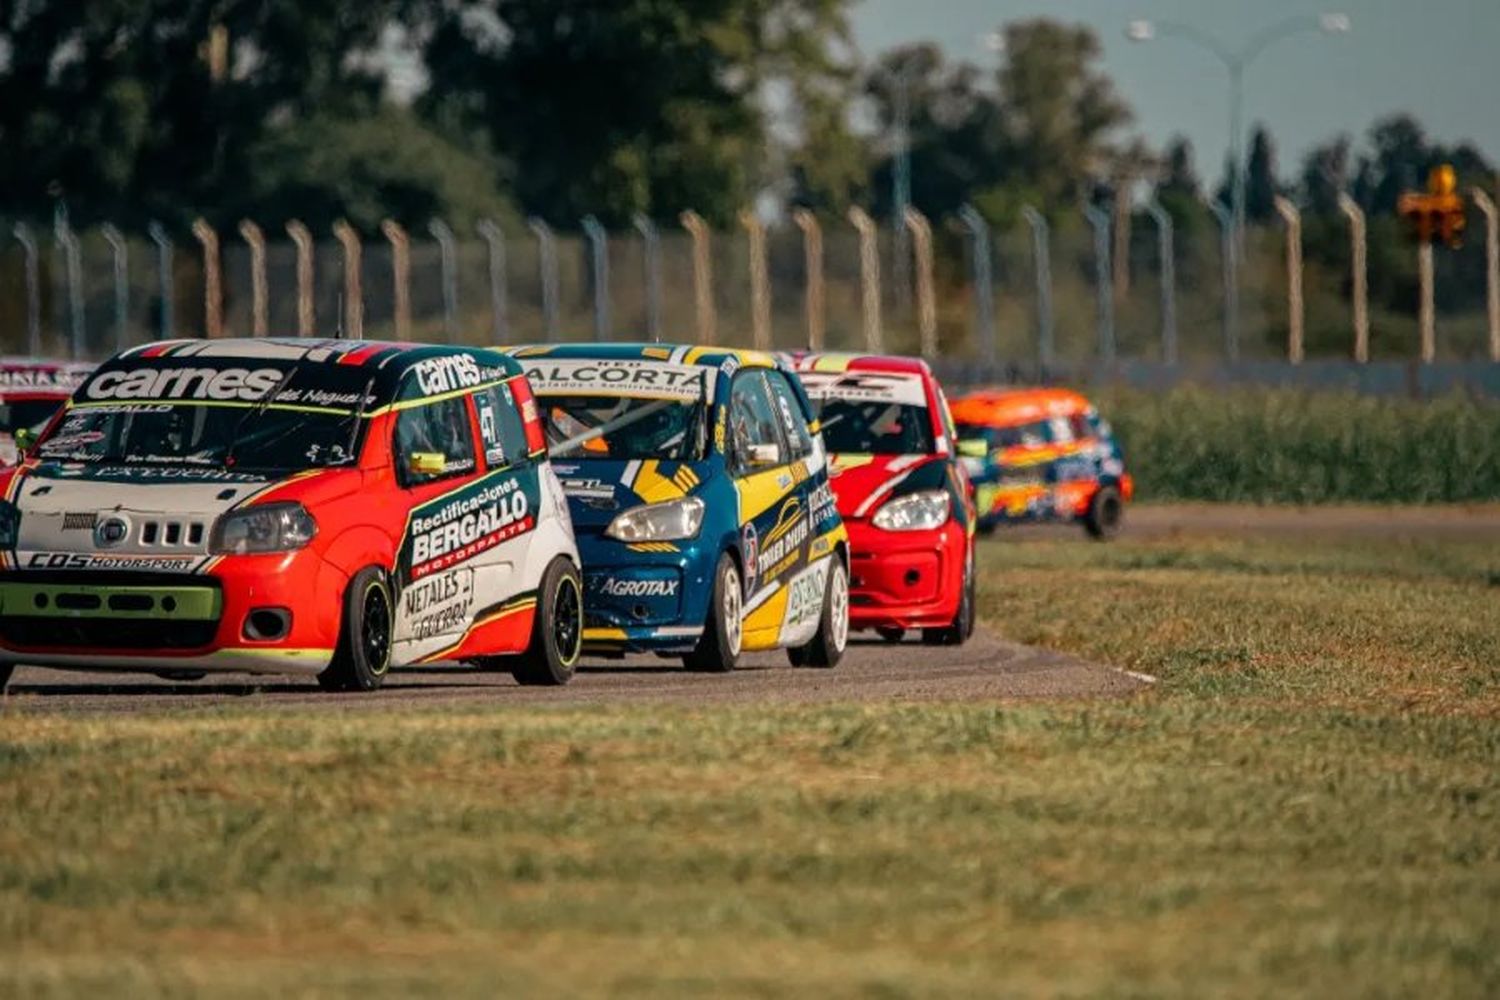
{"x":1306,"y":804}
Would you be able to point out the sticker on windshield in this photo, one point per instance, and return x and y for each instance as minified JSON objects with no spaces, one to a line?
{"x":647,"y":379}
{"x":873,"y":387}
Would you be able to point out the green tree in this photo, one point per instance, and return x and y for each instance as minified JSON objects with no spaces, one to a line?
{"x":633,"y":106}
{"x":1261,"y":185}
{"x":1325,"y":174}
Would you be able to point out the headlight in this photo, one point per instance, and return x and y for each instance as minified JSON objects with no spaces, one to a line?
{"x":658,"y":522}
{"x":272,"y":527}
{"x":10,"y":524}
{"x":913,"y":512}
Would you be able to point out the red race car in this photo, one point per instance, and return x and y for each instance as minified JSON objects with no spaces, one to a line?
{"x":30,"y":392}
{"x":322,"y":507}
{"x":902,"y":492}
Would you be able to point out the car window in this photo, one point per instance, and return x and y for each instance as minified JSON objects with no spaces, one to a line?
{"x":1060,"y":432}
{"x":752,"y":420}
{"x":793,"y":422}
{"x":500,"y":426}
{"x":440,"y":427}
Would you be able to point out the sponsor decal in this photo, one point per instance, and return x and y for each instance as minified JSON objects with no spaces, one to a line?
{"x":226,"y":384}
{"x":804,"y":597}
{"x":61,"y":379}
{"x":460,"y":525}
{"x":445,"y":374}
{"x":439,"y":604}
{"x":145,"y":474}
{"x":617,"y":378}
{"x":872,"y":387}
{"x":783,"y":546}
{"x":750,"y":551}
{"x":588,"y":489}
{"x":621,"y":587}
{"x":822,"y":503}
{"x":84,"y":560}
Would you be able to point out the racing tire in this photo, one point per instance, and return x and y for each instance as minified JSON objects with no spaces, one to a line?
{"x":962,"y":628}
{"x":363,"y":656}
{"x":828,"y":643}
{"x":1106,"y":511}
{"x":6,"y":669}
{"x":890,"y":633}
{"x":557,"y":632}
{"x":718,"y":649}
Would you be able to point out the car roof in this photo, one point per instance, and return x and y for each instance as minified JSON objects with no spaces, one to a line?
{"x":686,"y":354}
{"x":843,"y":361}
{"x":393,"y":356}
{"x":1002,"y":407}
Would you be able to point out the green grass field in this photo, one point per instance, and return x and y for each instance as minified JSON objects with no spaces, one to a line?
{"x":1307,"y":803}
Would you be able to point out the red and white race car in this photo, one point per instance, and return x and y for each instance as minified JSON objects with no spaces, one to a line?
{"x":902,"y":492}
{"x":30,"y":393}
{"x":291,"y":506}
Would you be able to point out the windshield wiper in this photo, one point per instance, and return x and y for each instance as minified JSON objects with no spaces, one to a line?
{"x":255,"y":411}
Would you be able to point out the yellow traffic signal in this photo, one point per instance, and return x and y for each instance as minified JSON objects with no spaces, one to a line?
{"x":1439,"y":213}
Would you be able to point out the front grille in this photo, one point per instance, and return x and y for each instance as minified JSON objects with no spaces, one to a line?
{"x":112,"y":633}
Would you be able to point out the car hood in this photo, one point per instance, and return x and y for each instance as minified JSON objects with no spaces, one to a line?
{"x":600,"y":489}
{"x":165,"y":515}
{"x":861,"y":483}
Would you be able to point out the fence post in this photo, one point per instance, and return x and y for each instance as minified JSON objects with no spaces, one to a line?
{"x":494,"y":238}
{"x":67,"y":243}
{"x":302,"y":237}
{"x":1167,"y":264}
{"x":1486,"y":206}
{"x":812,"y":254}
{"x":651,"y":260}
{"x":354,"y":302}
{"x":599,"y":269}
{"x":1041,"y":257}
{"x":23,"y":236}
{"x":547,"y":264}
{"x":120,"y":258}
{"x":869,"y":277}
{"x":1295,"y":348}
{"x":448,"y":260}
{"x":166,"y":290}
{"x":1230,"y":259}
{"x":256,"y":240}
{"x":213,"y":290}
{"x":984,"y":280}
{"x":1358,"y":276}
{"x":921,"y":233}
{"x":760,"y":281}
{"x":395,"y":235}
{"x":1426,"y":315}
{"x":703,"y":275}
{"x":1104,"y":293}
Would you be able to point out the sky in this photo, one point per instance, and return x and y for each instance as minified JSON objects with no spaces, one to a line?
{"x":1437,"y":59}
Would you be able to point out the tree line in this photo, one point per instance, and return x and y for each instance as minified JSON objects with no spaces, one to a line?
{"x":128,"y":110}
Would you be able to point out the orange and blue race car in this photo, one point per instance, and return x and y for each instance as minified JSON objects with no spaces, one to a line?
{"x":1039,"y":455}
{"x":903,"y":495}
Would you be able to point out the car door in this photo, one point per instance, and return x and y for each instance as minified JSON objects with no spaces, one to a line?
{"x":816,"y":512}
{"x":436,"y":462}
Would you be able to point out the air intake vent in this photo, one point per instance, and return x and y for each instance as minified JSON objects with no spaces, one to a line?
{"x":79,"y":520}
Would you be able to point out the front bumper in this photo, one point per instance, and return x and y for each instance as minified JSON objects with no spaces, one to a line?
{"x":650,"y":597}
{"x":905,"y":579}
{"x":159,"y":621}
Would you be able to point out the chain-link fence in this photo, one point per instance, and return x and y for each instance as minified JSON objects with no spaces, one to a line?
{"x":1062,"y":292}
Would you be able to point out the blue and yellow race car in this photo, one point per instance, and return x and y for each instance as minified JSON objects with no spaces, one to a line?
{"x":698,"y":487}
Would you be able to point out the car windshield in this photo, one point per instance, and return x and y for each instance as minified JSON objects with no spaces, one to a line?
{"x":194,"y":434}
{"x":1032,"y":435}
{"x":875,"y":428}
{"x":624,"y":427}
{"x":31,"y":413}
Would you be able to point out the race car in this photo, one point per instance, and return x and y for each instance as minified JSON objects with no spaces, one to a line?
{"x":700,"y":498}
{"x":1042,"y":454}
{"x":902,"y":493}
{"x":30,"y":392}
{"x":320,"y":507}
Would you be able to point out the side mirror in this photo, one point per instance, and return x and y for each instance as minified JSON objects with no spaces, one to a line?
{"x":762,"y":456}
{"x":25,"y":437}
{"x":427,"y":463}
{"x":973,"y":448}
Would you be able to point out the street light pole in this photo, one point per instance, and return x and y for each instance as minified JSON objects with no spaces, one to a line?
{"x":1236,"y":61}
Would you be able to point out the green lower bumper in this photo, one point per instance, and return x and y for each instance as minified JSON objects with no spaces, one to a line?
{"x":63,"y":600}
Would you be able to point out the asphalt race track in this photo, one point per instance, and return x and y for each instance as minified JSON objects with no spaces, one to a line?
{"x":987,"y":667}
